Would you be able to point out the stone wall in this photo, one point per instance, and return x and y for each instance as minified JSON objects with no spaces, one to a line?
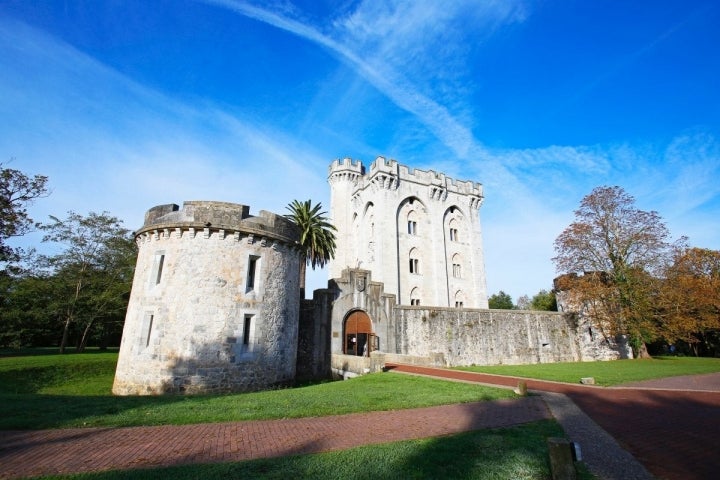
{"x":495,"y":337}
{"x":214,"y":304}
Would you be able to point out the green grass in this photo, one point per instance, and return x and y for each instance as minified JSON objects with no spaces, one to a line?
{"x":517,"y":453}
{"x":608,"y":373}
{"x":73,"y":390}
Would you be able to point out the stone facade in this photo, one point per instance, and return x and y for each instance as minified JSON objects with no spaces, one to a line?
{"x":448,"y":336}
{"x":214,"y":304}
{"x":417,"y":231}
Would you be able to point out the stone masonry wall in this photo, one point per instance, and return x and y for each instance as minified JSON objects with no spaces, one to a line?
{"x":198,"y":320}
{"x":488,"y":337}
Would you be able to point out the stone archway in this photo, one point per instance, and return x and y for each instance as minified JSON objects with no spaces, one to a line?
{"x":358,"y":337}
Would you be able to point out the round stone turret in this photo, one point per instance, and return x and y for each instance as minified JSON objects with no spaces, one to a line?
{"x":215,"y":302}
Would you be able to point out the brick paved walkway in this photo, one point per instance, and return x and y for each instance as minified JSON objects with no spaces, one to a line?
{"x":27,"y":453}
{"x":672,"y":432}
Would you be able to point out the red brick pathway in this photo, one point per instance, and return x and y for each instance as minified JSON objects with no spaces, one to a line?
{"x":29,"y":453}
{"x":673,"y":433}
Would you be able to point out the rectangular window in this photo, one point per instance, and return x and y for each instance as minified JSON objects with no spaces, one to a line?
{"x":458,"y":304}
{"x":415,"y":302}
{"x":453,"y":235}
{"x":246,"y":330}
{"x":248,"y":335}
{"x":457,"y":272}
{"x":252,"y":272}
{"x":412,"y":227}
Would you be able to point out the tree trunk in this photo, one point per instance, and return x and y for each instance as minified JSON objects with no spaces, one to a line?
{"x":303,"y":269}
{"x":85,"y":335}
{"x":642,"y":351}
{"x":66,"y":329}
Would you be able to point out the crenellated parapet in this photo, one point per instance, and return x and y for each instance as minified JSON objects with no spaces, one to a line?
{"x":345,"y":170}
{"x":389,"y":174}
{"x":217,"y":220}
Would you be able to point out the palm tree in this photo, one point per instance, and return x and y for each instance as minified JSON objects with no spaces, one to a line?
{"x":317,"y":240}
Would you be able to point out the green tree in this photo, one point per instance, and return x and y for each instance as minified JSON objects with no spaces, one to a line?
{"x":624,"y":248}
{"x":500,"y":301}
{"x":544,"y":300}
{"x":92,"y":275}
{"x":317,"y":237}
{"x":17,"y":191}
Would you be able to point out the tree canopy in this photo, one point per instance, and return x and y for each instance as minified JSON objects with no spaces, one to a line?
{"x":620,"y":249}
{"x":17,"y":191}
{"x":317,"y":237}
{"x":92,"y":274}
{"x":500,"y":301}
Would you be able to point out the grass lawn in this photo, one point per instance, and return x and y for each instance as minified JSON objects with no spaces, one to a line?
{"x":60,"y":391}
{"x":608,"y":373}
{"x":509,"y":453}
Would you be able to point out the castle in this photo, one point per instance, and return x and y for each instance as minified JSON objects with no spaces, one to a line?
{"x":215,"y":304}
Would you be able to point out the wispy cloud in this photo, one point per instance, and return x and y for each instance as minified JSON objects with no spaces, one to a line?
{"x":117,"y":145}
{"x":381,"y":41}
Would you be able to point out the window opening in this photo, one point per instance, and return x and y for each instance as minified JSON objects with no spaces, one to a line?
{"x":157,"y":268}
{"x":247,"y":331}
{"x":251,"y":273}
{"x":414,"y":265}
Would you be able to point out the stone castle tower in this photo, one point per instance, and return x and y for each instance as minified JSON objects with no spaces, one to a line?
{"x":417,"y":231}
{"x":214,"y":303}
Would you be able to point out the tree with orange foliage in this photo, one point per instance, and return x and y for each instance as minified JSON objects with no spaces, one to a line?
{"x":689,"y":306}
{"x":619,"y":249}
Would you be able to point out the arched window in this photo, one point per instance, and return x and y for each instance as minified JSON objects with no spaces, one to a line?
{"x":456,"y":266}
{"x":412,"y":223}
{"x":453,"y":230}
{"x":414,"y":261}
{"x":415,"y":297}
{"x":459,"y":299}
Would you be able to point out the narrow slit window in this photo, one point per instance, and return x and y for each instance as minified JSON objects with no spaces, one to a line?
{"x":247,"y":338}
{"x":252,"y":272}
{"x":146,"y":330}
{"x":157,"y":271}
{"x":161,"y":262}
{"x":149,"y":330}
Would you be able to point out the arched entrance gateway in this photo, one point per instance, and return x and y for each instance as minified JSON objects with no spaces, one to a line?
{"x":358,"y":338}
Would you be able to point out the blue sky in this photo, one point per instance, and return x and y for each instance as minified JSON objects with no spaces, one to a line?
{"x":126,"y":105}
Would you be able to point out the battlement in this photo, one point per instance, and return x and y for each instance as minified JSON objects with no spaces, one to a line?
{"x":214,"y":216}
{"x":402,"y":173}
{"x":346,"y":165}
